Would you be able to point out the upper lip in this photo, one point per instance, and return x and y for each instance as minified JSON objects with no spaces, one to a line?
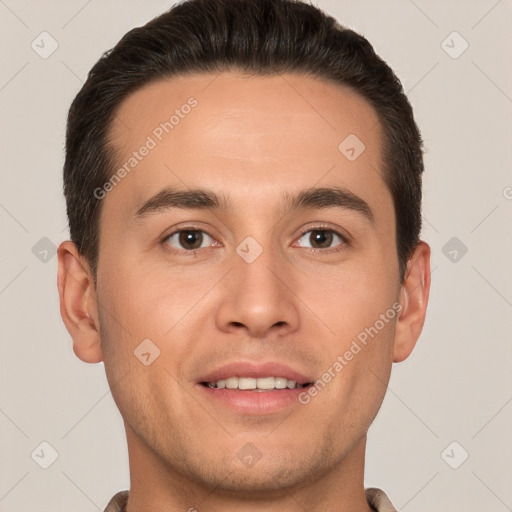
{"x":255,"y":370}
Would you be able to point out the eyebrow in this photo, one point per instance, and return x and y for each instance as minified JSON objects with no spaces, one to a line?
{"x":311,"y":198}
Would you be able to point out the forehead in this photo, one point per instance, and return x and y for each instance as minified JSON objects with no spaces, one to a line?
{"x":249,"y":134}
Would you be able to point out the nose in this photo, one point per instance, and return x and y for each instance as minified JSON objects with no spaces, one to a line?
{"x":258,"y":298}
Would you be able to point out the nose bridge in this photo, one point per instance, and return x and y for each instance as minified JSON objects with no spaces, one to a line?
{"x":257,"y":265}
{"x":257,"y":296}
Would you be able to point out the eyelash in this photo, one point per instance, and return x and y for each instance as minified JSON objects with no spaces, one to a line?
{"x":344,"y":240}
{"x":326,"y":229}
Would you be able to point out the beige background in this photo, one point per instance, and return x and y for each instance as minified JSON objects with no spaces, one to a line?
{"x":455,"y":387}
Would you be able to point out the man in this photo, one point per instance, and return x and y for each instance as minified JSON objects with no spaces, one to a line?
{"x":243,"y":183}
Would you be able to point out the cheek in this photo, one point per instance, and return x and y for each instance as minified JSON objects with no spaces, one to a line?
{"x":135,"y":352}
{"x":149,"y":301}
{"x":357,"y":374}
{"x":360,"y":309}
{"x":151,"y":311}
{"x":350,"y":299}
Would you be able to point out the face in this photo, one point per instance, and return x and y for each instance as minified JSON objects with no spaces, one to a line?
{"x":282,"y":271}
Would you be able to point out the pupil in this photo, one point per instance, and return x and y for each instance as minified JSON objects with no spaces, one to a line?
{"x":191,"y":238}
{"x":322,"y":238}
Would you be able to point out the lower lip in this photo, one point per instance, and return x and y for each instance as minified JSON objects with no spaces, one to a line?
{"x":254,"y":402}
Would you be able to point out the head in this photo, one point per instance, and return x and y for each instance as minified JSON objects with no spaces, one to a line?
{"x":286,"y":152}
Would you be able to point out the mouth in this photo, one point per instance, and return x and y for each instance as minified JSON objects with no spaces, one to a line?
{"x":260,"y":384}
{"x":254,"y":389}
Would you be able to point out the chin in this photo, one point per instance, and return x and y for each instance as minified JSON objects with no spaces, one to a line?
{"x":265,"y":478}
{"x":255,"y":483}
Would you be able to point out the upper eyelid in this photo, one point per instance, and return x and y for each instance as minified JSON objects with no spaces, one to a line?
{"x":323,"y":228}
{"x":166,"y":237}
{"x":341,"y":235}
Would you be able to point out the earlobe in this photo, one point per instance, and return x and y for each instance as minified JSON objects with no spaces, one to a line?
{"x":78,"y":304}
{"x":413,"y":299}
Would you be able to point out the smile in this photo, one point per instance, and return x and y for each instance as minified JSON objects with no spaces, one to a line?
{"x":256,"y":384}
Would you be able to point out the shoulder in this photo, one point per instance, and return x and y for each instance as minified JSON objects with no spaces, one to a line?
{"x":378,"y":500}
{"x":118,"y":502}
{"x":375,"y":497}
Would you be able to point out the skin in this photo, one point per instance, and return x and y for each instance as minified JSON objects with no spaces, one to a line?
{"x":251,"y":139}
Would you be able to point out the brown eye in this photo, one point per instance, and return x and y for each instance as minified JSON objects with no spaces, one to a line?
{"x":188,"y":239}
{"x":320,"y":239}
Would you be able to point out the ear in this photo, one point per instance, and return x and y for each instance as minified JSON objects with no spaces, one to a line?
{"x":413,"y":299}
{"x":78,"y":303}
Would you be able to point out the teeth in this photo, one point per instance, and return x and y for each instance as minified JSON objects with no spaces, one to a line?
{"x":261,"y":383}
{"x":281,"y":382}
{"x":246,"y":383}
{"x":290,"y":384}
{"x":264,"y":383}
{"x":232,"y":383}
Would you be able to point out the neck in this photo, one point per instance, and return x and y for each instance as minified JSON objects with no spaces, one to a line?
{"x":156,"y":485}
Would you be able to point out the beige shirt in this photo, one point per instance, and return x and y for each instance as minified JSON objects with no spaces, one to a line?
{"x":375,"y":497}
